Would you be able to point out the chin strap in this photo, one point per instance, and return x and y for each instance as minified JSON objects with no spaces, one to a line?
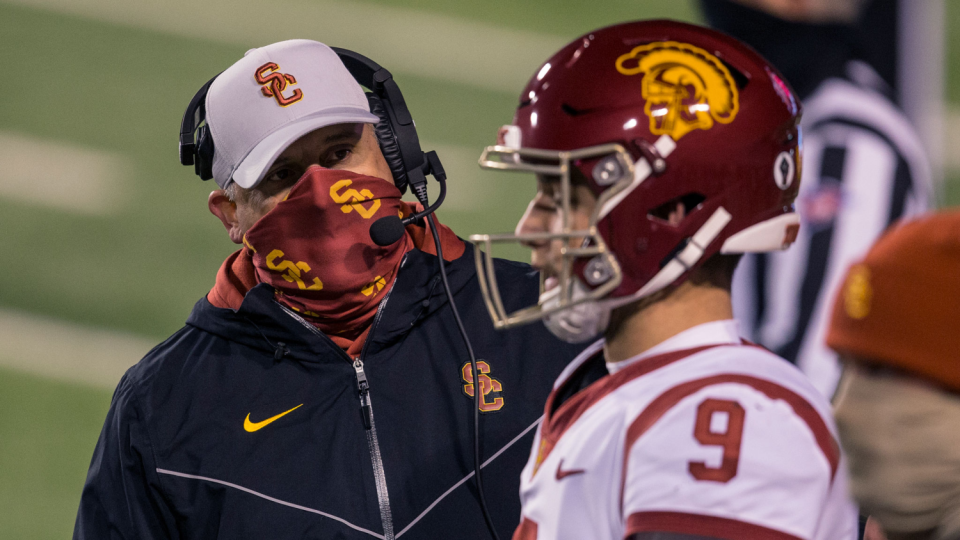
{"x":578,"y":323}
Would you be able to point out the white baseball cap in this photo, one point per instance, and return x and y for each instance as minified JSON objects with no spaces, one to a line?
{"x":270,"y":98}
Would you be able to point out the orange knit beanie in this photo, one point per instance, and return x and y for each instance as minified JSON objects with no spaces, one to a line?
{"x":900,"y":306}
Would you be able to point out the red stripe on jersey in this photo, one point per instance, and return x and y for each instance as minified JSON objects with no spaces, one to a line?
{"x":749,"y":343}
{"x":554,"y":425}
{"x":665,"y":401}
{"x":699,"y":525}
{"x":527,"y":530}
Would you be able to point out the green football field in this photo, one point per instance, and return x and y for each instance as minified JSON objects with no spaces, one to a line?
{"x":107,"y":241}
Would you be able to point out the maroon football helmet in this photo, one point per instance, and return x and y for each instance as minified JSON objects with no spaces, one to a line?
{"x":651,"y":113}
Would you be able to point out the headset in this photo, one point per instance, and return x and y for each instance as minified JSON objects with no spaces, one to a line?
{"x":400,"y":145}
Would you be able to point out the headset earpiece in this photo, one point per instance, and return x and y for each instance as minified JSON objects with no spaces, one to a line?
{"x":196,"y":144}
{"x":388,"y":142}
{"x":203,"y":165}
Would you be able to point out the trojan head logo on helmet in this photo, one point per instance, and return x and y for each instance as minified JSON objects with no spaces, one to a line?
{"x":685,"y":87}
{"x":648,"y":115}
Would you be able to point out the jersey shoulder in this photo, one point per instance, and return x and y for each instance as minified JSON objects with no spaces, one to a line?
{"x":749,"y":375}
{"x":667,"y":378}
{"x":743,"y":366}
{"x":733,"y":432}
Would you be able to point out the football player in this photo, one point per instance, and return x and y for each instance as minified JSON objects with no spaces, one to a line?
{"x":662,"y":152}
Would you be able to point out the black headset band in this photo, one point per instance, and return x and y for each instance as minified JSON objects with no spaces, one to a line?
{"x":364,"y":70}
{"x":380,"y":81}
{"x":191,"y":117}
{"x":375,"y":77}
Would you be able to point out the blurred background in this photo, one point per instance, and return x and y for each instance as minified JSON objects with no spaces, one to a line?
{"x":107,"y":242}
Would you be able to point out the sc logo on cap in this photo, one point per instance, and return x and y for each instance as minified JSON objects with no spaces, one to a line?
{"x":274,"y":83}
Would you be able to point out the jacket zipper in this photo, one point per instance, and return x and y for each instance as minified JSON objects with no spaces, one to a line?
{"x":366,"y":414}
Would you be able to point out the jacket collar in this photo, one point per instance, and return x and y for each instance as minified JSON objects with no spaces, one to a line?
{"x":262,"y":324}
{"x":417,"y":293}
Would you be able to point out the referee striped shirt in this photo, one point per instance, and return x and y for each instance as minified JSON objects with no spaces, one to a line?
{"x":863,"y":168}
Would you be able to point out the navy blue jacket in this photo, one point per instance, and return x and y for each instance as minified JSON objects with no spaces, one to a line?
{"x":196,"y":444}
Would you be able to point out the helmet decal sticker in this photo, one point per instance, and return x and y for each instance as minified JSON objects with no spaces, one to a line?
{"x":685,"y":87}
{"x":509,"y":136}
{"x":783,"y":91}
{"x":784,"y":170}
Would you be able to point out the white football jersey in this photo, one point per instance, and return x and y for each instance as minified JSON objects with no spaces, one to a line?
{"x":704,"y":435}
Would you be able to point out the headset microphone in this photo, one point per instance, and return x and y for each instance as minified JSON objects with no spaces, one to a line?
{"x":388,"y":230}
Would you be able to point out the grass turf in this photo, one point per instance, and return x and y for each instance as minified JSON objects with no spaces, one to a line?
{"x":47,"y":433}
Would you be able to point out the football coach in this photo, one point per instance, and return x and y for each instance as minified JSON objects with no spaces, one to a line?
{"x":321,"y":389}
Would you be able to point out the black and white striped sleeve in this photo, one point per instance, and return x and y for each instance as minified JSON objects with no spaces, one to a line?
{"x":863,"y":169}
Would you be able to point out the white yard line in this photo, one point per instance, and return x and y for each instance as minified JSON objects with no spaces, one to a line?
{"x":403,"y":40}
{"x":68,"y":351}
{"x":63,"y":176}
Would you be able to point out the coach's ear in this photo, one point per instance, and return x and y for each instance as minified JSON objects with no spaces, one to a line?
{"x":226,"y":210}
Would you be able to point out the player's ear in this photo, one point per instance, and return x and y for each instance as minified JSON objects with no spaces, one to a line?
{"x":221,"y":206}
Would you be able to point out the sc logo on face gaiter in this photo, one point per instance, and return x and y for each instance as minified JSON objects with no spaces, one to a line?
{"x":353,"y":198}
{"x":291,"y":271}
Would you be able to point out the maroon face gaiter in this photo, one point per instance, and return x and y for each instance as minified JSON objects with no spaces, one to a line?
{"x":314,"y":248}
